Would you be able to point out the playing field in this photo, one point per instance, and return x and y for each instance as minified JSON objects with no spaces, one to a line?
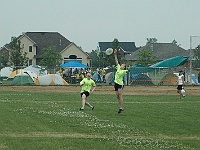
{"x":48,"y":118}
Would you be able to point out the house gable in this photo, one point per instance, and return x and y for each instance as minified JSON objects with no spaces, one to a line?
{"x":26,"y":43}
{"x":4,"y":50}
{"x":74,"y":50}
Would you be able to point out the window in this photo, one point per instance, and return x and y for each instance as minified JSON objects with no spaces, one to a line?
{"x":30,"y":48}
{"x":30,"y":62}
{"x":72,"y":57}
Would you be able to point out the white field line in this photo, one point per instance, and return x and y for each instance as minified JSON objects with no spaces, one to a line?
{"x":94,"y":136}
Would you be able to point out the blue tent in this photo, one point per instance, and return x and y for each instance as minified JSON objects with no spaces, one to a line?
{"x":73,"y":64}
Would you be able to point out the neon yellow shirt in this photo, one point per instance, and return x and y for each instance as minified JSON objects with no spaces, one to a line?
{"x":119,"y":75}
{"x":87,"y":84}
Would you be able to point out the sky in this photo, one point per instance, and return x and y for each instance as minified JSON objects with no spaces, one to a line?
{"x":87,"y":22}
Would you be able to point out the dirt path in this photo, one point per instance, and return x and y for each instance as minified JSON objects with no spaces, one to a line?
{"x":128,"y":90}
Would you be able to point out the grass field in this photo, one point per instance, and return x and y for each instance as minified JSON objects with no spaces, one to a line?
{"x":52,"y":121}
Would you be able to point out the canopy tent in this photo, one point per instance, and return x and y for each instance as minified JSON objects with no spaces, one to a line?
{"x":171,"y":62}
{"x":139,"y":70}
{"x":165,"y":64}
{"x":73,"y":64}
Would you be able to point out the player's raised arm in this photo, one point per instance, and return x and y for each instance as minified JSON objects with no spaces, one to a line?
{"x":115,"y":55}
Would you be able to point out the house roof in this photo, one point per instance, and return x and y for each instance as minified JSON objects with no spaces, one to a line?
{"x":5,"y":47}
{"x":46,"y":39}
{"x":161,"y":50}
{"x":126,"y":46}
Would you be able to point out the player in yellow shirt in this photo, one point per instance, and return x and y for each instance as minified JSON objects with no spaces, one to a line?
{"x":86,"y":84}
{"x":118,"y":82}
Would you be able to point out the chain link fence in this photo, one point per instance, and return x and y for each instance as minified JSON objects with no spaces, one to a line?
{"x":160,"y":76}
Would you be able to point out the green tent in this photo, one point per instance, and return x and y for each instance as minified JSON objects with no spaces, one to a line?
{"x":22,"y":80}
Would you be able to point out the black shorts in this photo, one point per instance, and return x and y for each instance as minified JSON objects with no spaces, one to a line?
{"x":179,"y":87}
{"x":86,"y":93}
{"x":118,"y":86}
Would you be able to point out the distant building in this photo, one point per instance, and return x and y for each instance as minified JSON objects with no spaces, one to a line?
{"x":4,"y":51}
{"x":34,"y":42}
{"x":124,"y":47}
{"x":162,"y":51}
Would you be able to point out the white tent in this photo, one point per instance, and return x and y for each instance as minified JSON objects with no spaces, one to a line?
{"x":32,"y":71}
{"x":50,"y":79}
{"x":36,"y":69}
{"x":5,"y":72}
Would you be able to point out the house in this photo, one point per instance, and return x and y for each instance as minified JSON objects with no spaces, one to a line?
{"x":124,"y":47}
{"x":4,"y":52}
{"x":34,"y":42}
{"x":162,"y":51}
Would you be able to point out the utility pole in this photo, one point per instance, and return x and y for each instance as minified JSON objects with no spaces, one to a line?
{"x":191,"y":54}
{"x":190,"y":71}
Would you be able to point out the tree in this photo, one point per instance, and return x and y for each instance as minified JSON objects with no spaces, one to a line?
{"x":151,"y":40}
{"x":97,"y":58}
{"x":51,"y":58}
{"x":146,"y":58}
{"x":196,"y":63}
{"x":115,"y":44}
{"x":17,"y":57}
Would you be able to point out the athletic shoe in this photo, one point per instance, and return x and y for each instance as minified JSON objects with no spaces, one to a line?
{"x":183,"y":96}
{"x":120,"y":110}
{"x":81,"y":109}
{"x":92,"y":108}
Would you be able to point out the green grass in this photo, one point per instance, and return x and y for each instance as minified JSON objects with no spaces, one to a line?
{"x":53,"y":121}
